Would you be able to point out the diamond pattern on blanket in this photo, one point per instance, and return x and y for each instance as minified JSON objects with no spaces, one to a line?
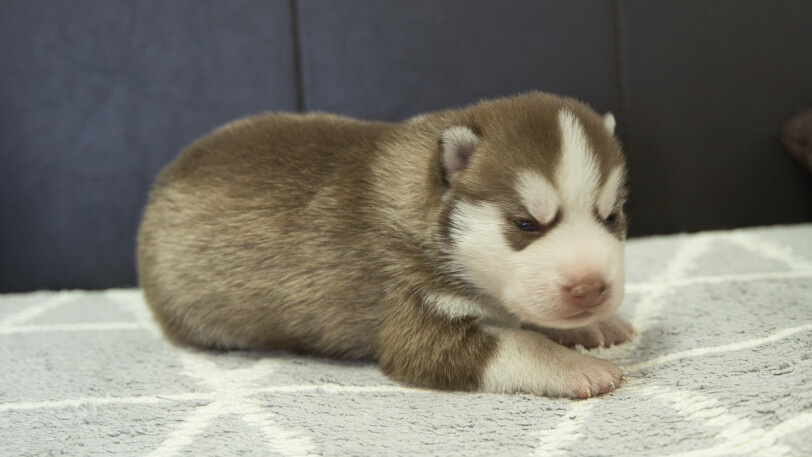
{"x":651,"y":256}
{"x":83,"y":309}
{"x":62,"y":364}
{"x":726,"y":258}
{"x":90,"y":428}
{"x":232,"y":433}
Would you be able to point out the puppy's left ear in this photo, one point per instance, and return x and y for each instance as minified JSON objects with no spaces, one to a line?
{"x":457,"y":145}
{"x":609,"y":123}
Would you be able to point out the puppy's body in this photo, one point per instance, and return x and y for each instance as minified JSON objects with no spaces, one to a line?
{"x":424,"y":245}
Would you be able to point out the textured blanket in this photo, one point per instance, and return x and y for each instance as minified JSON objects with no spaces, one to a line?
{"x":721,"y":365}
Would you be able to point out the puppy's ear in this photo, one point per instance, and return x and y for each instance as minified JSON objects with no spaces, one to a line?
{"x":609,"y":123}
{"x":457,"y":145}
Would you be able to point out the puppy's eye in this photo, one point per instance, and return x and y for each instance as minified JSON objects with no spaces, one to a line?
{"x":610,"y":220}
{"x":526,"y":225}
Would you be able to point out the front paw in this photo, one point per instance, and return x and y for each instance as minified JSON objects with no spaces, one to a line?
{"x":585,"y":376}
{"x":528,"y":362}
{"x":603,"y":333}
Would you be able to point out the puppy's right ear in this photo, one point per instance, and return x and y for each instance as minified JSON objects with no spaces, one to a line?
{"x":457,"y":145}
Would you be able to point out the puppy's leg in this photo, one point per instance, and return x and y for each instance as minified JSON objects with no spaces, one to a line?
{"x":527,"y":361}
{"x":419,"y":346}
{"x":605,"y":332}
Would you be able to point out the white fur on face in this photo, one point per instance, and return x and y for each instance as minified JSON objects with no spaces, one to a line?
{"x":532,"y":282}
{"x":609,"y":195}
{"x":575,"y":249}
{"x":480,"y":247}
{"x":577,"y":175}
{"x":538,"y":196}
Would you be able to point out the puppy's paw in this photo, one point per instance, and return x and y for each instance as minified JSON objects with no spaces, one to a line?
{"x":584,"y":376}
{"x":526,"y":361}
{"x":606,"y":332}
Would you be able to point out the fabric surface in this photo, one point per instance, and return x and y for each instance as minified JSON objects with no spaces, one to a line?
{"x":721,"y":365}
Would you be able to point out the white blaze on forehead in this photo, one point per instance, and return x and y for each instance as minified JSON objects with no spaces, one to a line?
{"x":607,"y":199}
{"x":538,"y":196}
{"x":577,"y":175}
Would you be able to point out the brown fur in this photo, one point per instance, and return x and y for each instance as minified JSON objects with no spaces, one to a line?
{"x":320,"y":234}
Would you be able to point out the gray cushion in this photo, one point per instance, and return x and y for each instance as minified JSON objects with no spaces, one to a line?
{"x":96,"y":97}
{"x":388,"y":60}
{"x":710,"y":84}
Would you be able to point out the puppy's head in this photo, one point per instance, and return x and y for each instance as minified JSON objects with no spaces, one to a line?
{"x":536,"y":187}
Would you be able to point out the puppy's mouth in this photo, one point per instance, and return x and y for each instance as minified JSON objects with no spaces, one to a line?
{"x":580,"y":314}
{"x":583,"y":316}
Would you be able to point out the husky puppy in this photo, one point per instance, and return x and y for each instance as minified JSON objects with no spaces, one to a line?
{"x":461,"y":249}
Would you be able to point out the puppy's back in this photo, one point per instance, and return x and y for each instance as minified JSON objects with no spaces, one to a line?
{"x":250,"y":206}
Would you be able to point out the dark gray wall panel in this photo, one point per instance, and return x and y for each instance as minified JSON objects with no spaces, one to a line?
{"x":95,"y":96}
{"x":392,"y":59}
{"x":709,"y":85}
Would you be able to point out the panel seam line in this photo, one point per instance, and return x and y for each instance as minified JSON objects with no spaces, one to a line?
{"x":297,"y":55}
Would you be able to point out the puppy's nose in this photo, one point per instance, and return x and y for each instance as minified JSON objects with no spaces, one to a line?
{"x":588,"y":294}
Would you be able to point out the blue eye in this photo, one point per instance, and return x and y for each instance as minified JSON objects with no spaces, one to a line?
{"x":526,"y":225}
